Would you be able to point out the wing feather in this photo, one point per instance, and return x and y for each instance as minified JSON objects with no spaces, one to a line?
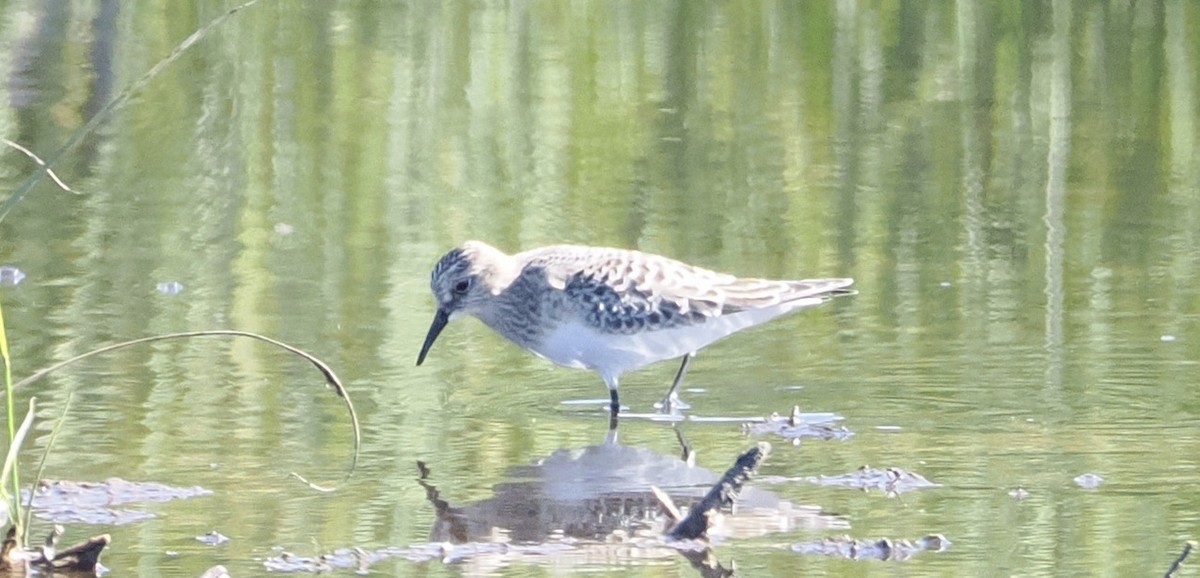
{"x":620,"y":285}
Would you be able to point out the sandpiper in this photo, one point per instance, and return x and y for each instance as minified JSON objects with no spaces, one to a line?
{"x":608,"y":310}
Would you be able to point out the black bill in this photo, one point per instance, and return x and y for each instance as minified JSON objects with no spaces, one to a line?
{"x":440,"y":319}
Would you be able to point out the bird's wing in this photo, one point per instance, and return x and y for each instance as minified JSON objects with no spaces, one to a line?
{"x":631,"y":281}
{"x":743,"y":294}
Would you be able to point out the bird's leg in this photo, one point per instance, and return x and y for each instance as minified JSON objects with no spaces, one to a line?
{"x":616,"y":403}
{"x":671,"y":401}
{"x":688,"y":454}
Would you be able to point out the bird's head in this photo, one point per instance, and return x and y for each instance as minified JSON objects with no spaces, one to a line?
{"x":462,"y":283}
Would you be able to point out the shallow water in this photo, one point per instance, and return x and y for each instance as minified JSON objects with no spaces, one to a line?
{"x":1015,"y":189}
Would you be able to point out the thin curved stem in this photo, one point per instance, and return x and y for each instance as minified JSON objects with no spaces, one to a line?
{"x":331,"y":378}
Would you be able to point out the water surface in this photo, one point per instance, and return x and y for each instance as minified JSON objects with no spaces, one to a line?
{"x":1015,"y":188}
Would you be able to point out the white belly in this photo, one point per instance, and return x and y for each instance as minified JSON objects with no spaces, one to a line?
{"x":611,"y":354}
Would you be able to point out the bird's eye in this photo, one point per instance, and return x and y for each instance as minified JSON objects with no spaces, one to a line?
{"x":462,"y":286}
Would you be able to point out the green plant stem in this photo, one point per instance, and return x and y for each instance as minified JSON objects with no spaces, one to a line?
{"x":37,"y":477}
{"x":13,"y":444}
{"x":8,"y":382}
{"x":10,"y":468}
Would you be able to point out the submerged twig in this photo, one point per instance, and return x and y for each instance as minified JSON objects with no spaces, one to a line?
{"x":50,"y":173}
{"x":1178,"y":563}
{"x":331,"y":378}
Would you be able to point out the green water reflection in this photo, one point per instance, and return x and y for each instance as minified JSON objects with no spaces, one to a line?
{"x":1015,"y":186}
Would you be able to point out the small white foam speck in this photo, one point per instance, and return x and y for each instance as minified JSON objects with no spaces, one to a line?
{"x":170,"y":288}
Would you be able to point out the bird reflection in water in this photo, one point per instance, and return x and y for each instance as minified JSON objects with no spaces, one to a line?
{"x":600,"y":500}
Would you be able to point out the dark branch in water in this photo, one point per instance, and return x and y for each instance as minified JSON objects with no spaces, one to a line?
{"x":331,"y":378}
{"x":722,"y":494}
{"x":695,"y":525}
{"x":1178,"y":563}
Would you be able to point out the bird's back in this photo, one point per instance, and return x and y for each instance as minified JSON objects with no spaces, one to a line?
{"x":635,"y":276}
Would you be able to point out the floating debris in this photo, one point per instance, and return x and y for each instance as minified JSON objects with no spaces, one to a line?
{"x":893,"y":481}
{"x":1088,"y":481}
{"x":170,"y":287}
{"x":284,"y":229}
{"x":62,"y":502}
{"x":1018,"y":493}
{"x":11,"y":276}
{"x":82,"y":559}
{"x":800,"y":425}
{"x":212,"y":538}
{"x":1167,"y":338}
{"x":361,"y":559}
{"x":882,"y":549}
